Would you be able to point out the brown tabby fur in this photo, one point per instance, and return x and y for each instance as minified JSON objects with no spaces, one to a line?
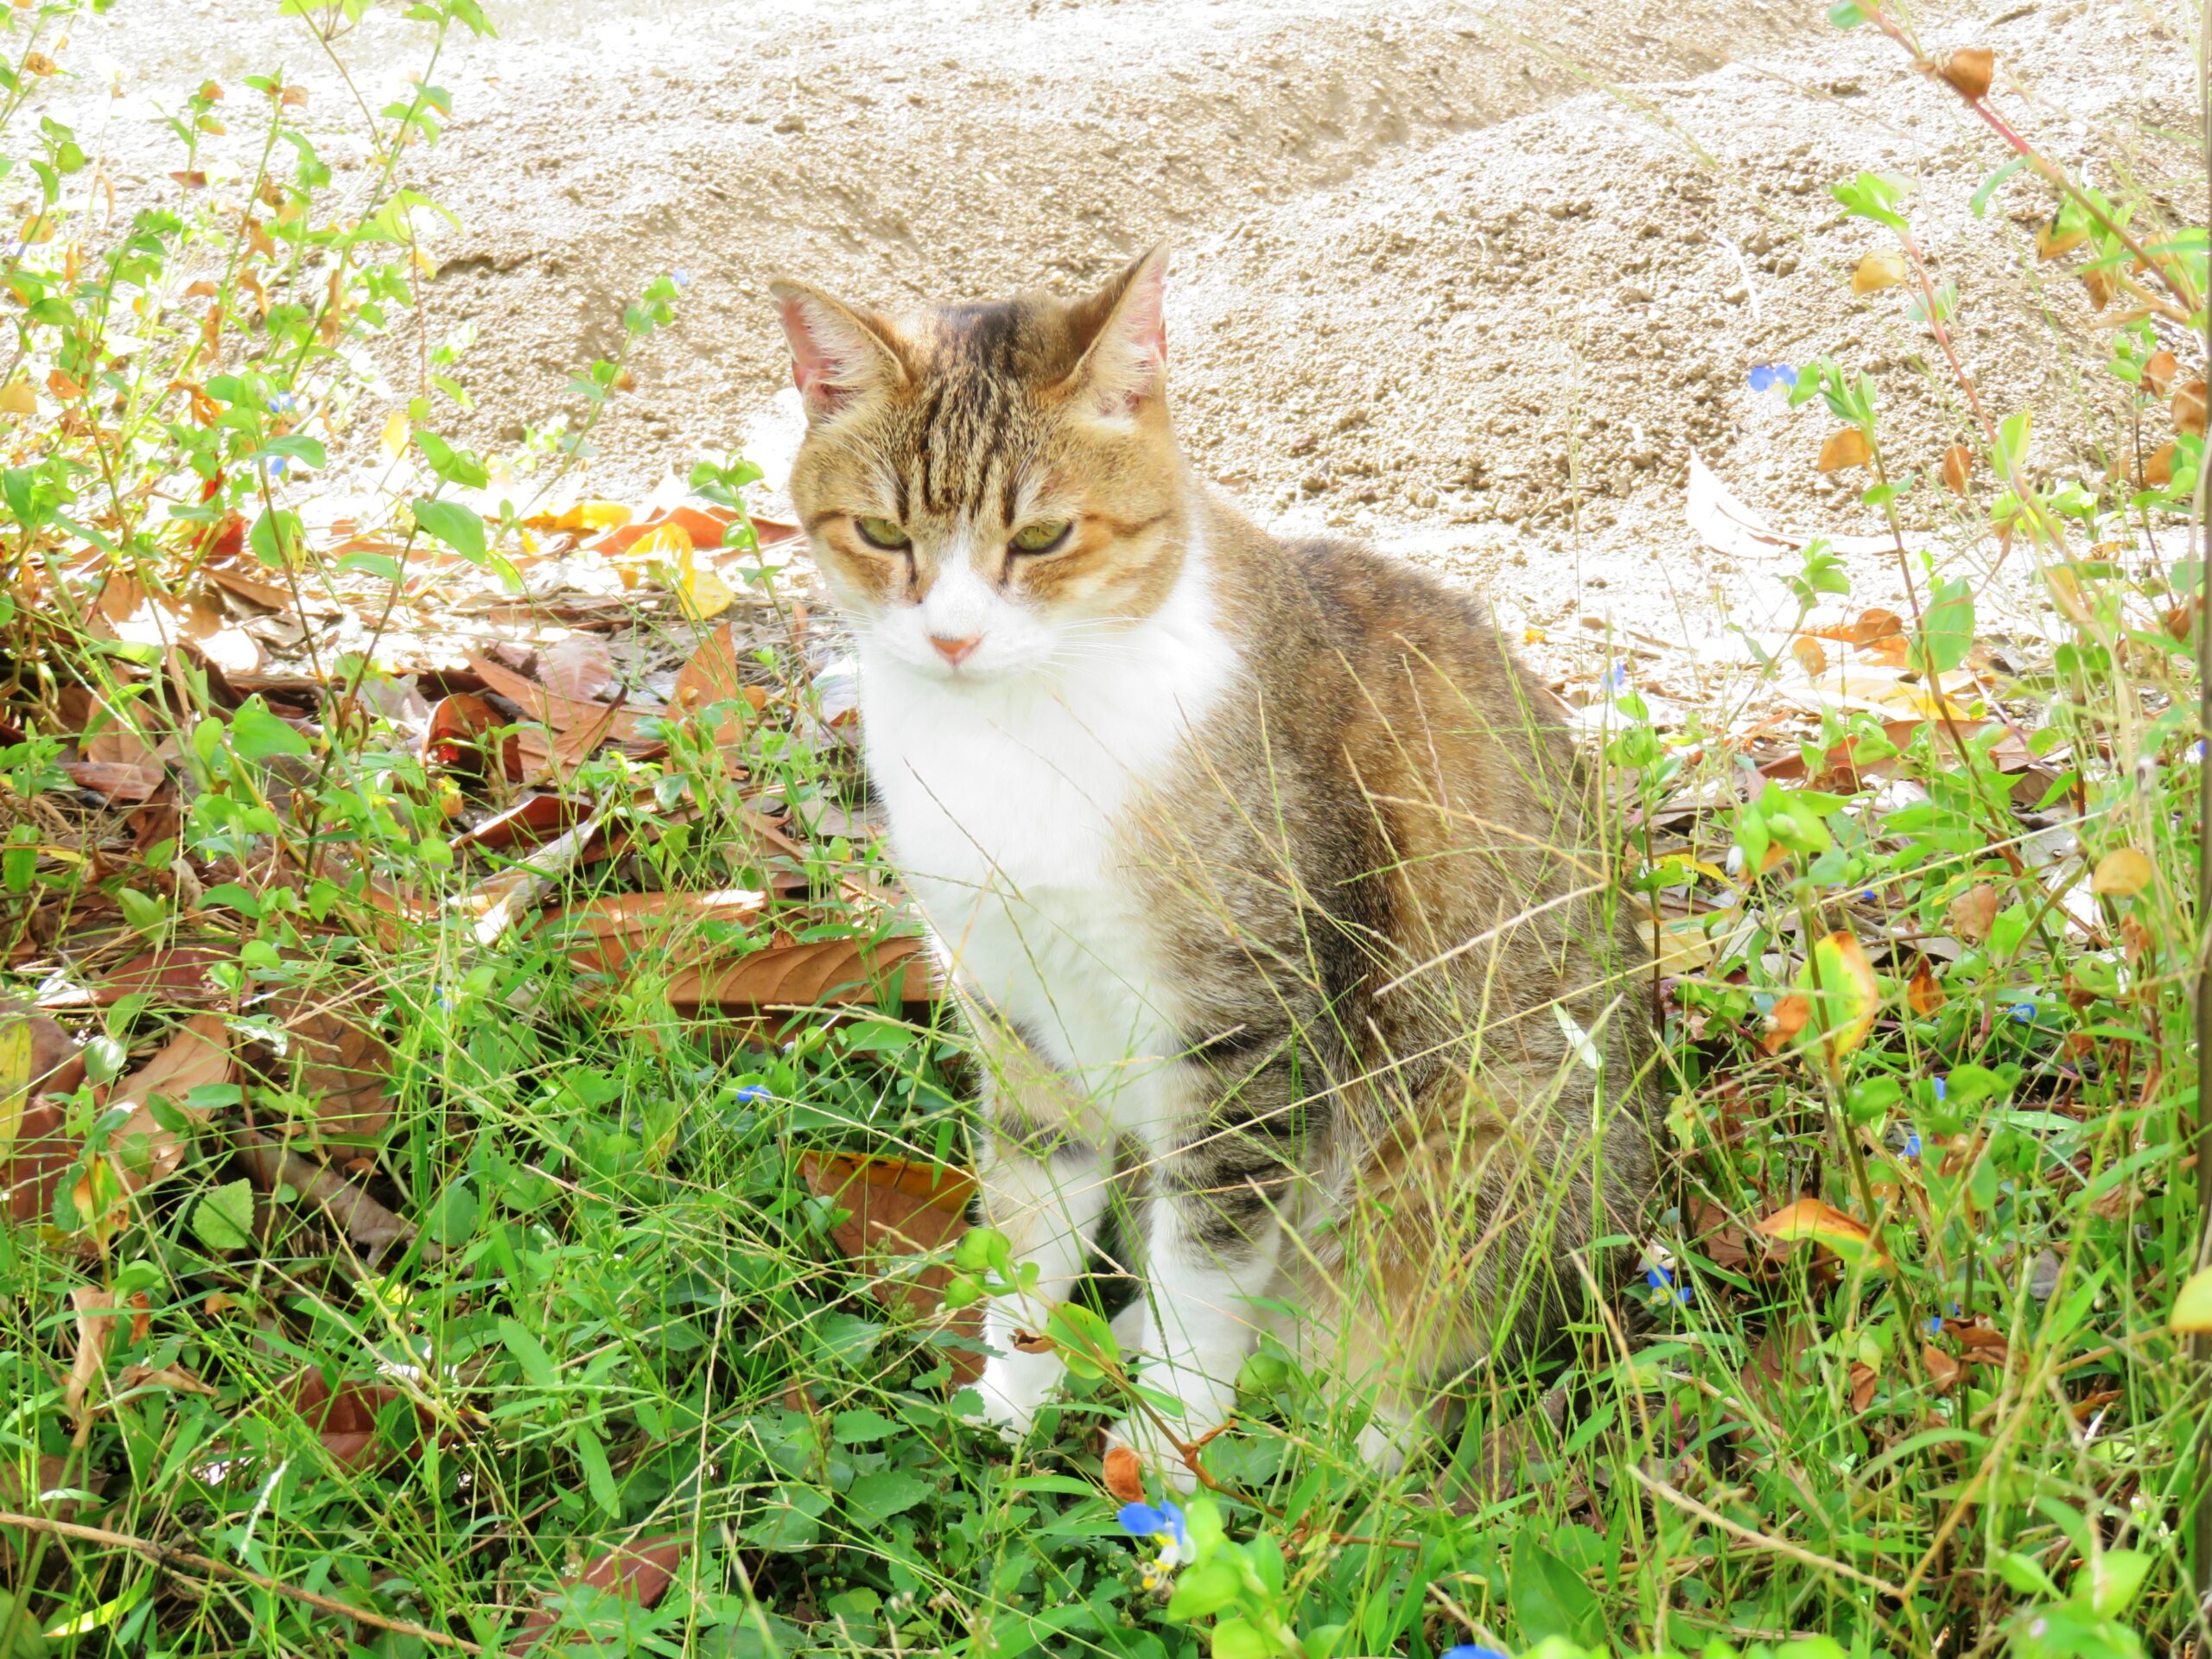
{"x":1370,"y":868}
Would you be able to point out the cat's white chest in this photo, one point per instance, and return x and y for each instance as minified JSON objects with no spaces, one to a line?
{"x":1007,"y":803}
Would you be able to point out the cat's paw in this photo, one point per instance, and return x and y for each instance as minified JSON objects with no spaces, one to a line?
{"x":1013,"y":1388}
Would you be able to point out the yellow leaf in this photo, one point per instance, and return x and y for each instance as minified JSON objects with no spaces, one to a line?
{"x":2193,"y":1307}
{"x":1838,"y":982}
{"x":1844,"y":447}
{"x":396,"y":432}
{"x":593,"y":515}
{"x":1879,"y":270}
{"x":2050,"y":244}
{"x":2122,"y":873}
{"x":1968,"y":71}
{"x":17,"y":398}
{"x":15,"y":1079}
{"x":671,"y":544}
{"x":1826,"y":1226}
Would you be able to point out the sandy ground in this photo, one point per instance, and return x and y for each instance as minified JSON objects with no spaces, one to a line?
{"x":1472,"y":281}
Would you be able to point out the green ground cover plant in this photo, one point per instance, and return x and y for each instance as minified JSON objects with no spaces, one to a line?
{"x":483,"y":1165}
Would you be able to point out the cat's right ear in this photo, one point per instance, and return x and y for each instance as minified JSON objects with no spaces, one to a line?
{"x":839,"y":354}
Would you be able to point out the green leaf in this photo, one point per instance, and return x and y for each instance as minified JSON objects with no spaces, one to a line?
{"x":1948,"y":631}
{"x":258,"y":734}
{"x":529,"y":1353}
{"x":380,"y":565}
{"x":886,"y":1492}
{"x":223,"y":1220}
{"x":275,"y":537}
{"x":297,"y":446}
{"x":1205,"y":1587}
{"x":1239,"y":1638}
{"x":1845,"y":14}
{"x":1980,"y":204}
{"x":1086,"y":1341}
{"x":598,"y":1473}
{"x":453,"y":1218}
{"x":859,"y":1426}
{"x":2114,"y":1578}
{"x":20,"y":1625}
{"x":1550,"y":1598}
{"x":456,"y":467}
{"x":459,"y":528}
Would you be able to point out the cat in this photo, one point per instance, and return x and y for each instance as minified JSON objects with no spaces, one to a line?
{"x":1260,"y":868}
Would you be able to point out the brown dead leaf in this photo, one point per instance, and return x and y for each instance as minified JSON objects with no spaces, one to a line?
{"x":1958,"y":468}
{"x":33,"y":1165}
{"x":795,"y":974}
{"x":1924,"y":995}
{"x":535,"y":817}
{"x":1862,"y":1386}
{"x":142,"y":1151}
{"x":1825,"y":1225}
{"x":1969,"y":70}
{"x":2123,"y":872}
{"x":2159,"y":371}
{"x":896,"y":1209}
{"x":1785,"y":1023}
{"x":1124,"y":1475}
{"x":1972,"y":914}
{"x":96,"y":1316}
{"x":1810,"y":658}
{"x":1942,"y":1371}
{"x":579,"y":668}
{"x":1846,"y":447}
{"x":368,"y":1224}
{"x":1885,"y":268}
{"x":454,"y":738}
{"x":345,"y":1418}
{"x":172,"y":1377}
{"x":1029,"y":1342}
{"x":2189,"y":408}
{"x":2159,"y":469}
{"x":117,"y":780}
{"x":641,"y":1572}
{"x":557,"y":713}
{"x":2101,"y":284}
{"x":604,"y":936}
{"x":338,"y":1059}
{"x":2050,"y":242}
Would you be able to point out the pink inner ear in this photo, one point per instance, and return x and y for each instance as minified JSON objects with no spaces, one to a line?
{"x":813,"y":370}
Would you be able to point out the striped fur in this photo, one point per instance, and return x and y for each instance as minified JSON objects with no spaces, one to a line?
{"x":1262,"y":868}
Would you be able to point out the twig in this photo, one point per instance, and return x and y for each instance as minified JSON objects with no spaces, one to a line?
{"x":172,"y":1559}
{"x":1751,"y":1535}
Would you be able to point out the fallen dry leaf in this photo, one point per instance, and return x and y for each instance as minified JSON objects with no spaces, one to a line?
{"x":1958,"y":468}
{"x":1826,"y":1225}
{"x":32,"y":1168}
{"x":1942,"y":1371}
{"x":142,"y":1151}
{"x":1862,"y":1385}
{"x":1924,"y":995}
{"x":1786,"y":1023}
{"x":557,"y":713}
{"x":1124,"y":1475}
{"x":2188,"y":408}
{"x":1968,"y":72}
{"x":454,"y":738}
{"x":1846,"y":447}
{"x":1883,"y":269}
{"x":2122,"y":873}
{"x":579,"y":668}
{"x":96,"y":1316}
{"x":368,"y":1224}
{"x":345,"y":1418}
{"x":605,"y":935}
{"x":338,"y":1059}
{"x":641,"y":1572}
{"x":1972,"y":914}
{"x":2159,"y":371}
{"x":537,"y":817}
{"x":898,"y":1208}
{"x":795,"y":974}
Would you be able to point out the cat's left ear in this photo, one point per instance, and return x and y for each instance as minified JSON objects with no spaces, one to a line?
{"x":840,"y":353}
{"x":1124,"y":362}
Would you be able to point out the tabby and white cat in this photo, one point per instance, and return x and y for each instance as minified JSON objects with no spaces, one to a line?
{"x":1257,"y":866}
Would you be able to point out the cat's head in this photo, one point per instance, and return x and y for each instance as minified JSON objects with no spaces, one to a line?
{"x":990,"y":489}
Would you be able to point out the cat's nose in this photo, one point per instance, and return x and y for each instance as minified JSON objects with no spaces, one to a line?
{"x":955,"y":652}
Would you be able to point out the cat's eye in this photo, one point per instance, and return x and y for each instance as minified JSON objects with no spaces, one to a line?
{"x":1042,"y":537}
{"x":882,"y":532}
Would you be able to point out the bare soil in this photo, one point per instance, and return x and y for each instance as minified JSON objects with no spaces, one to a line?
{"x":1471,"y":281}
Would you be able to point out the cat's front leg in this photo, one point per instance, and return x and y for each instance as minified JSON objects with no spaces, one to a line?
{"x":1047,"y":1199}
{"x":1214,"y":1244}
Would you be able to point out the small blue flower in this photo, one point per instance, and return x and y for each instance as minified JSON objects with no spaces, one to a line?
{"x":282,"y":402}
{"x":1662,"y":1277}
{"x":1142,"y":1521}
{"x":681,"y":278}
{"x":1617,"y":678}
{"x":1475,"y":1650}
{"x":751,"y":1095}
{"x":1764,"y":375}
{"x":1940,"y":1086}
{"x":1868,"y":894}
{"x":1912,"y":1145}
{"x":276,"y":464}
{"x":1935,"y":1324}
{"x":2024,"y":1013}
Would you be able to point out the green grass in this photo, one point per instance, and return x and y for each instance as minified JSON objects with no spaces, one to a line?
{"x":606,"y":1311}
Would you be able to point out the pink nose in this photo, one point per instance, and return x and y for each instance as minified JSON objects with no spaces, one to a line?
{"x":957,"y":651}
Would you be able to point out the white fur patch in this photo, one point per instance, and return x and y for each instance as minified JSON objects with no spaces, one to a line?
{"x":1004,"y":794}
